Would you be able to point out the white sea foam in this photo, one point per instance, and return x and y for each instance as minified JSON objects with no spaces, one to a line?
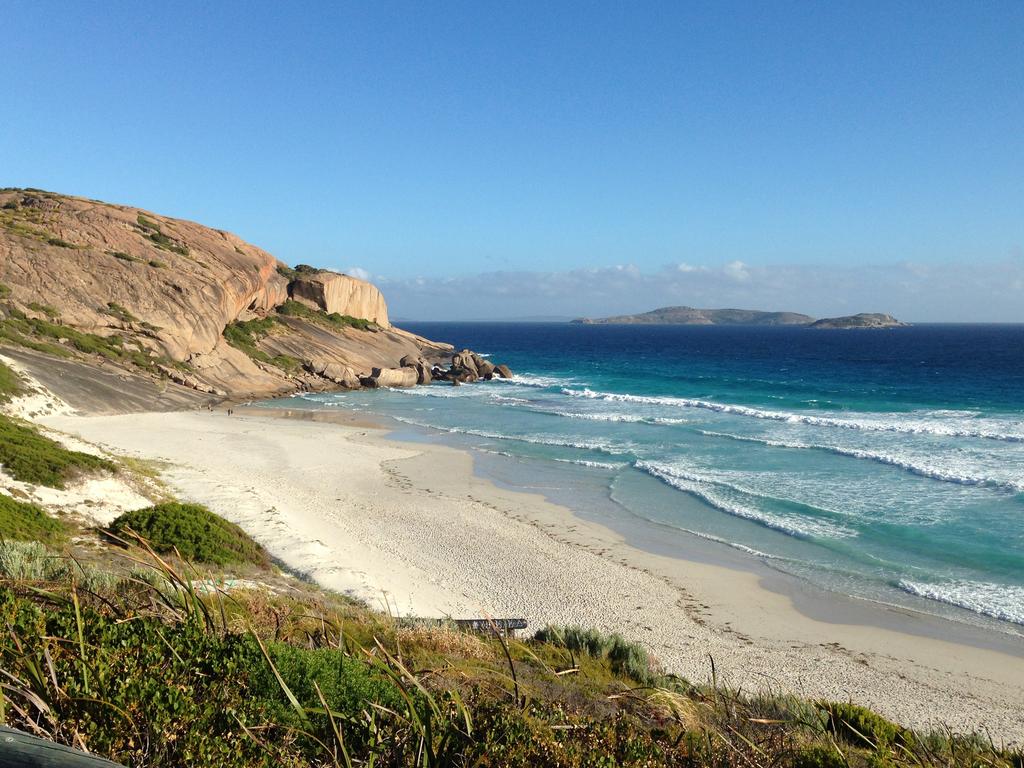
{"x":1001,"y":601}
{"x":595,"y":464}
{"x":532,"y":380}
{"x":708,"y":489}
{"x":920,"y":425}
{"x":590,"y":445}
{"x":914,"y":466}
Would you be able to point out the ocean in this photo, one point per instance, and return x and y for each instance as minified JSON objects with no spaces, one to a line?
{"x":886,"y":465}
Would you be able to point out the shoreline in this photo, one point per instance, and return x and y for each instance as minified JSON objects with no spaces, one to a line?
{"x":412,"y":527}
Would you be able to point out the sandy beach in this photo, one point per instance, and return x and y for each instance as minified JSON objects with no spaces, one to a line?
{"x":411,"y":529}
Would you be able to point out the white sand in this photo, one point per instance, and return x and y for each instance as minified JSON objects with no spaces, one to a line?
{"x":411,"y":529}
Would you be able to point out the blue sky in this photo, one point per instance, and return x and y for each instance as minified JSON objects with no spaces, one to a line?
{"x":442,"y":145}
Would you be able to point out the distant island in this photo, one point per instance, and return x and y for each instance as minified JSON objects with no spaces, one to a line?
{"x":693,"y":316}
{"x":862,"y":320}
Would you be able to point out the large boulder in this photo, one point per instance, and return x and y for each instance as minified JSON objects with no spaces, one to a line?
{"x":333,"y":292}
{"x":390,"y":377}
{"x":504,"y":371}
{"x":334,"y":371}
{"x":418,"y":364}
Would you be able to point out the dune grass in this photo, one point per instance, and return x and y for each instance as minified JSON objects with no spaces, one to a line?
{"x":31,"y":457}
{"x":149,"y":669}
{"x":193,"y":532}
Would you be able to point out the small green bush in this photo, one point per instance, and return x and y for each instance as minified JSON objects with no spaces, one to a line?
{"x":116,"y":310}
{"x":292,"y":308}
{"x":30,"y":457}
{"x":194,"y":531}
{"x":624,"y":658}
{"x":156,"y":264}
{"x":24,"y":521}
{"x":347,"y":684}
{"x":861,"y":727}
{"x":124,"y":256}
{"x":244,"y":335}
{"x":10,"y":384}
{"x":152,"y":232}
{"x":46,"y":309}
{"x":5,"y":291}
{"x":629,"y":659}
{"x":818,"y":756}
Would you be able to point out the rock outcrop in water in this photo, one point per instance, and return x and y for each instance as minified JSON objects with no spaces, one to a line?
{"x":166,"y":302}
{"x":862,"y":320}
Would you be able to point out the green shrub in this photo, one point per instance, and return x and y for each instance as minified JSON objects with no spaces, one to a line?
{"x":21,"y":520}
{"x":33,"y":561}
{"x":124,"y":256}
{"x":286,"y":363}
{"x":5,"y":291}
{"x":12,"y":336}
{"x":576,"y":639}
{"x":244,"y":335}
{"x":283,"y":270}
{"x":861,"y":727}
{"x":629,"y":659}
{"x":156,"y":264}
{"x":30,"y":457}
{"x":142,"y":692}
{"x":116,"y":310}
{"x":194,"y":531}
{"x":152,"y":232}
{"x":292,"y":308}
{"x":347,"y":683}
{"x":624,"y":658}
{"x":10,"y":384}
{"x":46,"y":309}
{"x":818,"y":756}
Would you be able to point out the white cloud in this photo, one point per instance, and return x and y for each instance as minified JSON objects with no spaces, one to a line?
{"x":737,"y":271}
{"x":359,"y":273}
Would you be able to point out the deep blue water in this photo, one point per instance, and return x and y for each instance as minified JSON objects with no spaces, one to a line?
{"x":887,"y":464}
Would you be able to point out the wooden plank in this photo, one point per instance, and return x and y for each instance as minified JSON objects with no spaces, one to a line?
{"x":489,"y":625}
{"x":21,"y":750}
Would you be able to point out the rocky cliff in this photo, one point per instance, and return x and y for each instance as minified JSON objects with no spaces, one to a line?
{"x":342,"y":294}
{"x":175,"y":302}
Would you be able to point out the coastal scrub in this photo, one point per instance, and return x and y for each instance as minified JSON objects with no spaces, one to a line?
{"x":31,"y":457}
{"x":193,"y":531}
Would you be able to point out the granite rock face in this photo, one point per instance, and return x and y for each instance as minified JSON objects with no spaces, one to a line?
{"x":341,"y":294}
{"x":184,"y":304}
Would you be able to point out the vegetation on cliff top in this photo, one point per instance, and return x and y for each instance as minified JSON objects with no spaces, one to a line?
{"x":334,"y":320}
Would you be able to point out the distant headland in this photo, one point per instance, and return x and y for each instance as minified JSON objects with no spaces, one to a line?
{"x":693,"y":316}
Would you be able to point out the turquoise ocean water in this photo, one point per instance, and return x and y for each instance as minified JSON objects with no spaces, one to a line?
{"x":888,"y":465}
